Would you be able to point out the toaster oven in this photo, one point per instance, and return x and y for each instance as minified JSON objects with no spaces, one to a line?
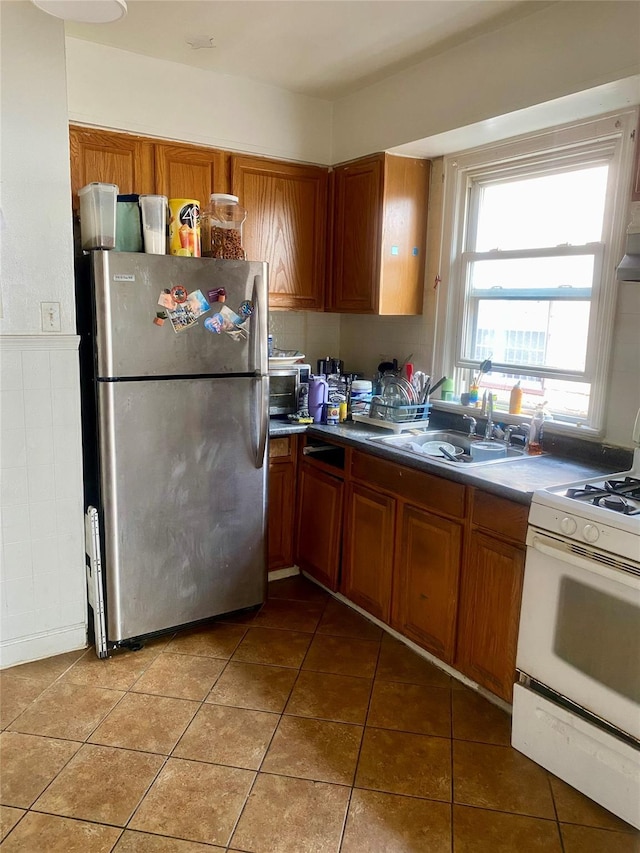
{"x":284,"y":386}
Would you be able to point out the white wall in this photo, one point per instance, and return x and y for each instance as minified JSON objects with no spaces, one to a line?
{"x":117,"y":89}
{"x":42,"y":589}
{"x":561,"y":48}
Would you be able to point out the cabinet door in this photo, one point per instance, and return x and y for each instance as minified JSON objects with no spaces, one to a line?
{"x":280,"y":517}
{"x":490,"y":595}
{"x":285,"y":226}
{"x":357,"y":226}
{"x":281,"y":503}
{"x":188,"y":171}
{"x":113,"y":158}
{"x":319,"y":525}
{"x":425,"y":591}
{"x":368,"y":550}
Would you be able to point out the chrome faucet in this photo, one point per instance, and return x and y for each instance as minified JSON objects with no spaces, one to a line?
{"x":488,"y":430}
{"x":507,"y":434}
{"x":472,"y":424}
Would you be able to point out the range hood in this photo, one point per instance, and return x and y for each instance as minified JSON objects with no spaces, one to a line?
{"x":629,"y":267}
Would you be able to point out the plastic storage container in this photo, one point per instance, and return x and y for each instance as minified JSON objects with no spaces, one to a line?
{"x":221,"y":227}
{"x":98,"y":215}
{"x":361,"y":390}
{"x":128,"y":225}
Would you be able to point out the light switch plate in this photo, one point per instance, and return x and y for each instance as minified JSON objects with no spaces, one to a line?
{"x":50,"y":316}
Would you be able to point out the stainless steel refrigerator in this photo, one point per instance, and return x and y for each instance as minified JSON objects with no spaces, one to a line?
{"x":175,"y":424}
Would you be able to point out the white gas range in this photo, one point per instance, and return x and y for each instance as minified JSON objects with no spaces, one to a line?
{"x":576,"y":708}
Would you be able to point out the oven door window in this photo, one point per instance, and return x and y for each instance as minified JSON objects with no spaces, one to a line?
{"x":579,"y":632}
{"x":282,"y":393}
{"x":599,"y":635}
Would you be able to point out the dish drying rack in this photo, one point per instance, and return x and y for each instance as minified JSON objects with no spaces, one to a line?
{"x":397,"y":417}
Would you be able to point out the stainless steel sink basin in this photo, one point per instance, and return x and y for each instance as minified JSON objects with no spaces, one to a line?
{"x":485,"y":451}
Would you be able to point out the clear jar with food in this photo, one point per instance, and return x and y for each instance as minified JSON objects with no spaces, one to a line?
{"x":221,"y":227}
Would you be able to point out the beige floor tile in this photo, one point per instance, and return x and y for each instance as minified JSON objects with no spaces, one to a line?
{"x":342,"y":656}
{"x":53,"y":834}
{"x":297,"y":588}
{"x":46,"y":670}
{"x":247,"y":685}
{"x":240,"y":617}
{"x":475,"y":718}
{"x":194,"y":801}
{"x":144,"y":722}
{"x":481,"y":831}
{"x":403,"y":763}
{"x":342,"y":621}
{"x":215,"y":641}
{"x":8,"y":819}
{"x":142,"y":842}
{"x":223,"y":735}
{"x":588,"y":839}
{"x":411,"y":708}
{"x":16,"y":694}
{"x":399,"y":663}
{"x":388,"y":823}
{"x":286,"y":815}
{"x":179,"y":676}
{"x":101,"y":784}
{"x":28,"y":763}
{"x":117,"y":672}
{"x":499,"y":777}
{"x":314,"y":749}
{"x":66,"y":710}
{"x":290,"y":615}
{"x":273,"y":646}
{"x":574,"y":807}
{"x":341,"y":698}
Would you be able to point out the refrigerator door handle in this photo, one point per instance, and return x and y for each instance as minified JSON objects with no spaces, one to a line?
{"x":259,"y":338}
{"x":262,"y":418}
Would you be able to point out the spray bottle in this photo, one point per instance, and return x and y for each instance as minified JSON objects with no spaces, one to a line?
{"x":536,"y":427}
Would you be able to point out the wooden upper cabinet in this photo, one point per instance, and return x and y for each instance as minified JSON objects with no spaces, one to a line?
{"x":285,"y":226}
{"x":379,"y":235}
{"x":113,"y":158}
{"x":190,"y":171}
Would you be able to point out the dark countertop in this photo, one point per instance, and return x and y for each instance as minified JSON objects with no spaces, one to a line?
{"x":516,"y":480}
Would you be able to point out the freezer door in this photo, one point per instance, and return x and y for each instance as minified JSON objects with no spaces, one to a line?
{"x":183,"y":501}
{"x":127,"y":287}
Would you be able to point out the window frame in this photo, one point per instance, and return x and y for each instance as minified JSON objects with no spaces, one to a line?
{"x":606,"y":138}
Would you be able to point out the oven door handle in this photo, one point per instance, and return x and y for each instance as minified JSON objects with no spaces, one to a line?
{"x":560,"y":552}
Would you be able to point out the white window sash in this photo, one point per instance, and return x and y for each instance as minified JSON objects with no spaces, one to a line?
{"x":604,"y":139}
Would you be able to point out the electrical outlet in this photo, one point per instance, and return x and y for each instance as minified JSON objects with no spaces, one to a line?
{"x":50,"y":316}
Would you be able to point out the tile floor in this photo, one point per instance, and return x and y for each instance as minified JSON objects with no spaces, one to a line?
{"x":298,"y":729}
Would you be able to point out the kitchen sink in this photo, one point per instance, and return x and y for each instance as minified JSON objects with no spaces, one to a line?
{"x":470,"y":450}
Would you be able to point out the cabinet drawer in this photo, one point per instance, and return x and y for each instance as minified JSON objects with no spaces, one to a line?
{"x":500,"y":515}
{"x":280,"y":447}
{"x":442,"y":496}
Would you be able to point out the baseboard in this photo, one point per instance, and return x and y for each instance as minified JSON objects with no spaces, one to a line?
{"x":449,"y":670}
{"x":278,"y":574}
{"x":28,"y":649}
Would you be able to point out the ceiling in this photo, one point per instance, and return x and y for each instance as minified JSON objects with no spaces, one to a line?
{"x":321,"y":48}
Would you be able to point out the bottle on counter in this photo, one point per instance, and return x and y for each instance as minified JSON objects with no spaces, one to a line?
{"x":515,"y":400}
{"x":536,"y":427}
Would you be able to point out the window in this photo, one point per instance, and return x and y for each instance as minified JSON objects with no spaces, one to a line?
{"x":535,"y":230}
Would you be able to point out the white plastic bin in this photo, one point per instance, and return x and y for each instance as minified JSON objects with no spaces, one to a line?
{"x":98,"y":215}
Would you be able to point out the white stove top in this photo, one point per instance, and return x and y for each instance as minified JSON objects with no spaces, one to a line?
{"x":602,"y":512}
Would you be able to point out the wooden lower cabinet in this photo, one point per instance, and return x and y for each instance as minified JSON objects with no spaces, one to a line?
{"x":427,"y":569}
{"x":319,"y":524}
{"x":281,"y":505}
{"x":368,"y":545}
{"x":489,"y":612}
